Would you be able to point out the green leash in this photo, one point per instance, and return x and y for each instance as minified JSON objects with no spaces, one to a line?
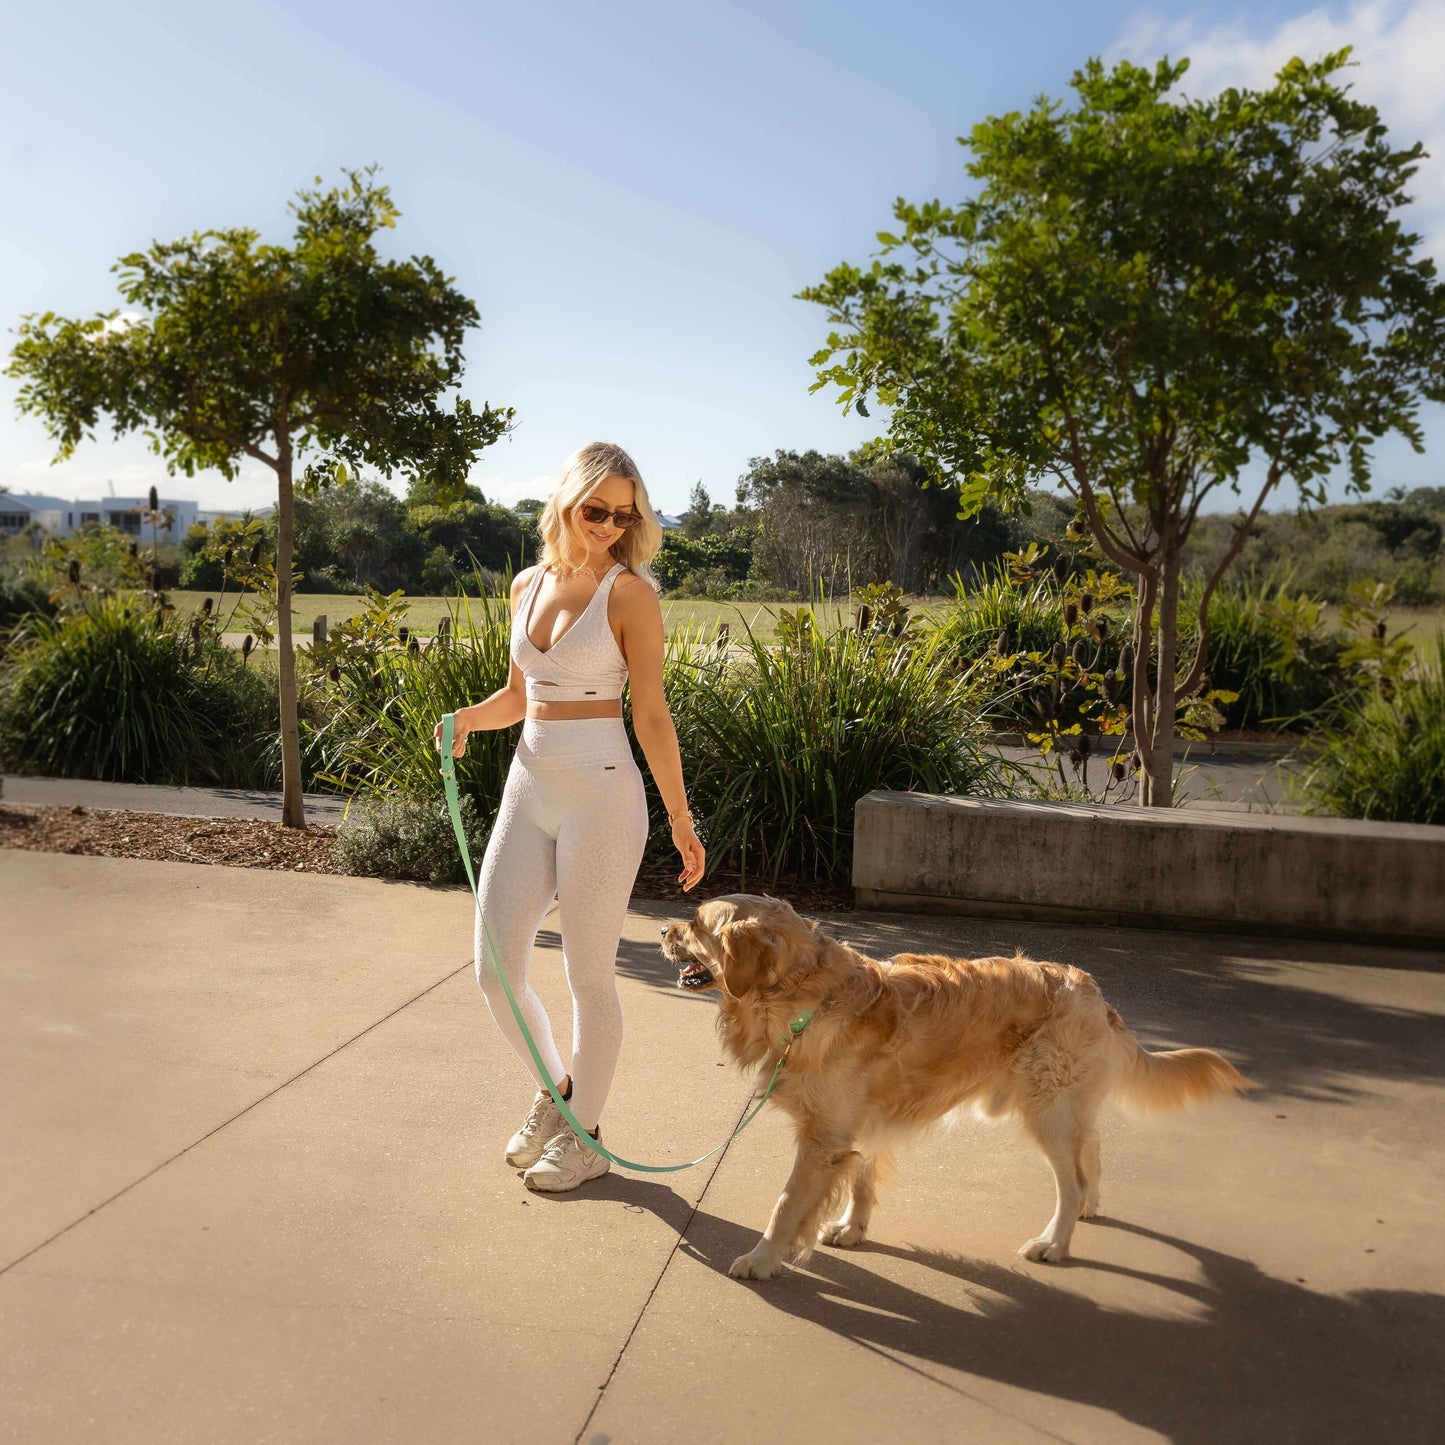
{"x":449,"y":782}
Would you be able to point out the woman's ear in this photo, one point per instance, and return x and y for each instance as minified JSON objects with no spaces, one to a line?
{"x":746,"y":946}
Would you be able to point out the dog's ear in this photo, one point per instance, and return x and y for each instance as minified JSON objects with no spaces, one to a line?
{"x":747,"y":948}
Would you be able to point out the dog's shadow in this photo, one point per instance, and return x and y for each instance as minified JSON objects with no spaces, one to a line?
{"x":1249,"y":1356}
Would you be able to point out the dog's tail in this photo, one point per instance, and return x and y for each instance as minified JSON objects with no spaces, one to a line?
{"x":1174,"y":1079}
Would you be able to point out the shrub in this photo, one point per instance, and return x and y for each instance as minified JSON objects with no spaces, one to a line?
{"x":1021,"y":617}
{"x":409,"y":836}
{"x":1270,"y":645}
{"x":330,"y":578}
{"x":1382,"y":756}
{"x":22,"y":596}
{"x":729,"y":554}
{"x":1001,"y":612}
{"x":117,"y":692}
{"x":779,"y":742}
{"x":377,"y":694}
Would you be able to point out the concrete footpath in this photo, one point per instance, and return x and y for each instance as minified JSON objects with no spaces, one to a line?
{"x":158,"y":798}
{"x":252,"y":1127}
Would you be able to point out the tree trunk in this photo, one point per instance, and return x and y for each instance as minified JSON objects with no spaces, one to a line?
{"x":1141,"y":704}
{"x":1157,"y":753}
{"x":292,"y":809}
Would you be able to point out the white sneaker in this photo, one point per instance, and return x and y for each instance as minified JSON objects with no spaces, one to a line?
{"x":525,"y":1147}
{"x":566,"y":1162}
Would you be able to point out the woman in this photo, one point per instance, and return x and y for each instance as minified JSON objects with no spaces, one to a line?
{"x":573,"y":817}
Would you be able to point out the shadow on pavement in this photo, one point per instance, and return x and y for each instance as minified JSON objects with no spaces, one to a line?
{"x":1258,"y":1358}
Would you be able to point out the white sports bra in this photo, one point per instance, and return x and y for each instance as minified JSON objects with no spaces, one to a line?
{"x":585,"y":664}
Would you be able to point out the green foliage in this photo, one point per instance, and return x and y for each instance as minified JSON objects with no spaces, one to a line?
{"x":1144,"y":293}
{"x":226,"y":342}
{"x":1000,"y":614}
{"x":779,"y":742}
{"x":1380,"y":663}
{"x":726,"y":556}
{"x":1325,"y":550}
{"x":21,"y":596}
{"x":1053,"y":639}
{"x":382,"y":692}
{"x":320,"y":355}
{"x":118,"y":692}
{"x":1383,"y":757}
{"x":1141,"y":282}
{"x":881,"y":612}
{"x":840,"y":522}
{"x":479,"y":533}
{"x":409,"y":836}
{"x":1272,"y":647}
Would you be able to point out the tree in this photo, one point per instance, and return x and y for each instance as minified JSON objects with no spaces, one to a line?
{"x":468,"y":530}
{"x":812,"y":514}
{"x":319,"y":355}
{"x":698,"y":517}
{"x":1146,"y":295}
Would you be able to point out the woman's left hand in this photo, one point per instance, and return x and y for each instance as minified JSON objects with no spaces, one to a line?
{"x":694,"y":855}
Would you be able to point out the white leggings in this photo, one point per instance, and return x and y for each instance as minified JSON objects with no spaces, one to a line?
{"x":572,"y":824}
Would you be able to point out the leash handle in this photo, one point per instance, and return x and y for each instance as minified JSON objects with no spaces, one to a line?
{"x":449,"y":784}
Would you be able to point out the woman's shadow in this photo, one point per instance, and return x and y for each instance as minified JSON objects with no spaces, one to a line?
{"x":1254,"y":1358}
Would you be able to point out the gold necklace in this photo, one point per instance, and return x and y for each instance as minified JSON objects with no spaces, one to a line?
{"x":567,"y":574}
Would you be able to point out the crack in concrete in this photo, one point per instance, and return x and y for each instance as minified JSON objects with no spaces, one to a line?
{"x":661,"y":1274}
{"x":226,"y":1123}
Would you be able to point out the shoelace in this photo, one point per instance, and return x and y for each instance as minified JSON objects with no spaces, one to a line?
{"x":540,"y":1109}
{"x":559,"y":1146}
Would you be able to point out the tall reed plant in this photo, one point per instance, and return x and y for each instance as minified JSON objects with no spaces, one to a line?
{"x":1002,"y":614}
{"x":382,"y":692}
{"x":116,"y":692}
{"x":1270,"y":644}
{"x":1382,"y":752}
{"x":779,"y":741}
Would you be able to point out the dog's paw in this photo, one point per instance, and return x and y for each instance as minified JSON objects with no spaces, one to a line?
{"x":760,"y":1263}
{"x":841,"y":1234}
{"x":1043,"y":1250}
{"x":1089,"y":1209}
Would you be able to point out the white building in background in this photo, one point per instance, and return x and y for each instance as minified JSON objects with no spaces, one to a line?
{"x":19,"y":509}
{"x":232,"y":514}
{"x":62,"y":518}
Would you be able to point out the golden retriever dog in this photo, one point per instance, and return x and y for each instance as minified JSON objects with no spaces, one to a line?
{"x":895,"y":1045}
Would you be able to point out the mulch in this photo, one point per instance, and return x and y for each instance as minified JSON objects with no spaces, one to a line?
{"x":259,"y":843}
{"x":166,"y":837}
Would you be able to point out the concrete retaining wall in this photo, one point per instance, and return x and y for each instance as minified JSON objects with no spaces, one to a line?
{"x":1241,"y":872}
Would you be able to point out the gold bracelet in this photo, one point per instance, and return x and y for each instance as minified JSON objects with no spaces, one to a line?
{"x":681,"y":813}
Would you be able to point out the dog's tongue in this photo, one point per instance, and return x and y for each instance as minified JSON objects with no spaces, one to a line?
{"x":695,"y":975}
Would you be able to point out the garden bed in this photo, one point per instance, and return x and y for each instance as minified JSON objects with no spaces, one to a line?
{"x":257,"y":843}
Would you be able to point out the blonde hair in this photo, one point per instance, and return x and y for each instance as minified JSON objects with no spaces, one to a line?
{"x":581,"y":474}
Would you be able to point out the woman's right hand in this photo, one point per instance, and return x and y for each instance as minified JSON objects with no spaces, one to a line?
{"x":459,"y":736}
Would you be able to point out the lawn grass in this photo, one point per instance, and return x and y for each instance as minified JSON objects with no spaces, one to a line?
{"x":1422,"y":624}
{"x":423,"y":613}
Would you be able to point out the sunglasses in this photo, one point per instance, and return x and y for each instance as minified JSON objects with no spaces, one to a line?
{"x":591,"y":512}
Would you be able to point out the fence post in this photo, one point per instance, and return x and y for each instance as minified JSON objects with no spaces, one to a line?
{"x":318,"y":629}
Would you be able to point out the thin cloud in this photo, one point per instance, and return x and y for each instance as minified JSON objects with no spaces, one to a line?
{"x":1397,"y":49}
{"x":509,"y":491}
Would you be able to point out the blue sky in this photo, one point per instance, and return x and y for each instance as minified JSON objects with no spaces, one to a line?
{"x":632,"y":193}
